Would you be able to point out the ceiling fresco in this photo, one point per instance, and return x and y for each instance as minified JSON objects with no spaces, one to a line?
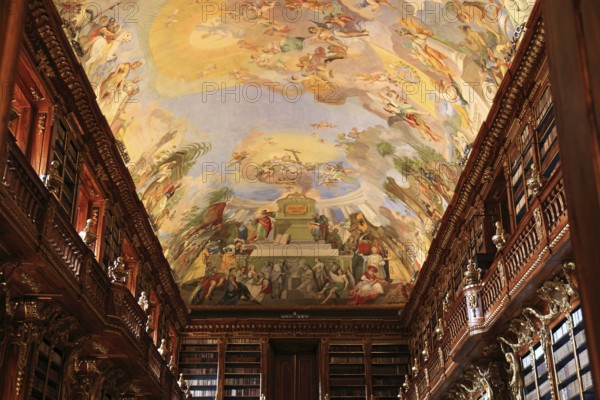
{"x":294,"y":152}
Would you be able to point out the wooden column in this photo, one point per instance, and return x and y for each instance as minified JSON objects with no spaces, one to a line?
{"x":572,"y":37}
{"x":12,"y":21}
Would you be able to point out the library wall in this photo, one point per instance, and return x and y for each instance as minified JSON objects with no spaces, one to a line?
{"x":225,"y":368}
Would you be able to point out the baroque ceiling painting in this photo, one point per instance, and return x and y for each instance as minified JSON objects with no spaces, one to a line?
{"x":294,"y":152}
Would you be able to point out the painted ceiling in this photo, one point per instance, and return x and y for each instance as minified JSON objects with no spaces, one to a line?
{"x":239,"y":120}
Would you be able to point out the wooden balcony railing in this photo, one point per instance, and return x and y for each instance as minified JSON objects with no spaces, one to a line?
{"x":71,"y":250}
{"x":24,"y":189}
{"x":554,"y":207}
{"x":541,"y":229}
{"x":456,"y":320}
{"x":128,"y":311}
{"x":28,"y":205}
{"x":492,"y":288}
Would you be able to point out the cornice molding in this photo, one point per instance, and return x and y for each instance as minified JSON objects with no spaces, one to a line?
{"x":295,"y":328}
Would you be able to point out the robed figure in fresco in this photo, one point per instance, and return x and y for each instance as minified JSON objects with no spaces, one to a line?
{"x":370,"y":287}
{"x":264,"y":225}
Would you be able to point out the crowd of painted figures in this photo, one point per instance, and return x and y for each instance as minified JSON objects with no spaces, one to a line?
{"x":360,"y":275}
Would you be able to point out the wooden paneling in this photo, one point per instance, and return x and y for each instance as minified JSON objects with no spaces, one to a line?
{"x":294,"y":376}
{"x":12,"y":19}
{"x":573,"y":31}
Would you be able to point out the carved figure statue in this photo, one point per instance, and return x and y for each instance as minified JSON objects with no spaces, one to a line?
{"x":163,"y":350}
{"x":87,"y":234}
{"x":181,"y":382}
{"x":53,"y":180}
{"x":534,"y":183}
{"x":516,"y":383}
{"x":499,"y":239}
{"x":143,"y":302}
{"x":521,"y":329}
{"x":472,"y":275}
{"x":118,"y":271}
{"x":556,"y":294}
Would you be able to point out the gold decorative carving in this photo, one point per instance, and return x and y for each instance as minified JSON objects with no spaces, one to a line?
{"x":500,"y":267}
{"x":30,"y":282}
{"x":499,"y":239}
{"x":415,"y":367}
{"x":35,"y":94}
{"x":539,"y":224}
{"x":571,"y":285}
{"x":99,"y":347}
{"x":53,"y":180}
{"x":534,"y":183}
{"x":41,"y":123}
{"x":473,"y":299}
{"x":31,"y":309}
{"x":425,"y":351}
{"x":515,"y":383}
{"x":472,"y":275}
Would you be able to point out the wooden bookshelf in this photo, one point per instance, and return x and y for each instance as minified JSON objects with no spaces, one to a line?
{"x":571,"y":359}
{"x":242,"y":377}
{"x":47,"y":373}
{"x":389,"y":365}
{"x":535,"y":374}
{"x":199,"y":364}
{"x":347,"y":377}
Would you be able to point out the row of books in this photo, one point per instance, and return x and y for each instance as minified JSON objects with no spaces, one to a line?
{"x":386,"y":393}
{"x":389,"y":381}
{"x":560,"y":332}
{"x":586,"y":380}
{"x":580,"y":339}
{"x":529,"y":378}
{"x":195,"y":371}
{"x":345,"y":349}
{"x":568,"y":370}
{"x":346,"y":360}
{"x":202,"y":382}
{"x":348,"y":392}
{"x":584,"y":359}
{"x":207,"y":355}
{"x":360,"y":380}
{"x":200,"y":341}
{"x":241,"y":358}
{"x":242,"y":381}
{"x":242,"y":392}
{"x":389,"y":360}
{"x":242,"y":341}
{"x":569,"y":391}
{"x":187,"y":348}
{"x":243,"y":348}
{"x":204,"y":393}
{"x":563,"y":351}
{"x":241,"y":370}
{"x":389,"y":349}
{"x":346,"y":369}
{"x":390,"y":369}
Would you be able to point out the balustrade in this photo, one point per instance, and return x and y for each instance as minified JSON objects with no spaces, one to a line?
{"x":38,"y":214}
{"x":492,"y":288}
{"x":504,"y":273}
{"x":24,"y":188}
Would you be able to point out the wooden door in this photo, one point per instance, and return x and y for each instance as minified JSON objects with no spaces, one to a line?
{"x":294,"y":373}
